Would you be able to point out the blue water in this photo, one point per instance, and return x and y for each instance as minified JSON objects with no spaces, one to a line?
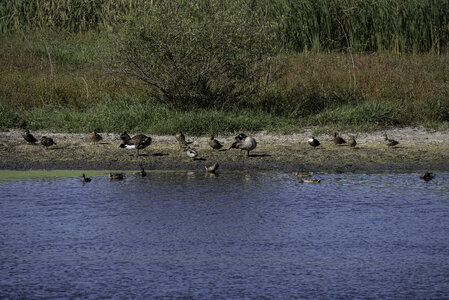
{"x":235,"y":236}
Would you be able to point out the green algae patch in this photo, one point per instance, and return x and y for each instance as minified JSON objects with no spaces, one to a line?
{"x":8,"y":175}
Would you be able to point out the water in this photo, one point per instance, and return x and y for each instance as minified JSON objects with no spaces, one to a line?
{"x":235,"y":236}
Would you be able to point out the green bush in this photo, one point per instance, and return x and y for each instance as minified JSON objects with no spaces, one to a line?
{"x":195,"y":55}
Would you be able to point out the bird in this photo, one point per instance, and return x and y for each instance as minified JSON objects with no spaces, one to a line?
{"x":181,"y":139}
{"x":142,"y":172}
{"x":427,"y":176}
{"x":352,"y":142}
{"x":192,"y":153}
{"x":29,"y":137}
{"x":390,"y":142}
{"x":115,"y":176}
{"x":215,"y":144}
{"x":212,"y":168}
{"x":301,"y":175}
{"x":137,"y":142}
{"x":338,"y":140}
{"x":314,"y":142}
{"x":125,"y":136}
{"x":47,"y":142}
{"x":95,"y":137}
{"x":311,"y":180}
{"x":85,"y":179}
{"x":244,"y":142}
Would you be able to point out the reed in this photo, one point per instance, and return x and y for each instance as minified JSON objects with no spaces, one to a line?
{"x":395,"y":26}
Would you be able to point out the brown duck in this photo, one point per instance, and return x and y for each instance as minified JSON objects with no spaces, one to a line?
{"x":390,"y":142}
{"x":352,"y":142}
{"x":338,"y":140}
{"x":47,"y":142}
{"x":85,"y":179}
{"x":95,"y":137}
{"x":115,"y":176}
{"x":215,"y":144}
{"x":137,"y":142}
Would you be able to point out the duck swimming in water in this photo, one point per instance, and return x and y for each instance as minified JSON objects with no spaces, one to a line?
{"x":212,"y":168}
{"x":115,"y":176}
{"x":427,"y":176}
{"x":85,"y":179}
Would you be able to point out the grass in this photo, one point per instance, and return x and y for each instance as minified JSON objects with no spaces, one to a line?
{"x":56,"y":81}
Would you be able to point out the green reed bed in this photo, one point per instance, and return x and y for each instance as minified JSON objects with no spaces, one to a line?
{"x":320,"y":25}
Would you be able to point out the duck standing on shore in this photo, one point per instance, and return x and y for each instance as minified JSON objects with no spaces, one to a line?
{"x":352,"y":142}
{"x":215,"y":144}
{"x":244,"y":142}
{"x":137,"y":142}
{"x":338,"y":140}
{"x":313,"y":142}
{"x":95,"y":137}
{"x":29,"y":137}
{"x":390,"y":142}
{"x":180,"y":137}
{"x":191,"y":153}
{"x":47,"y":142}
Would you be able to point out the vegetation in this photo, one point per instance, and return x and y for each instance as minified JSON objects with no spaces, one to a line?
{"x":220,"y":66}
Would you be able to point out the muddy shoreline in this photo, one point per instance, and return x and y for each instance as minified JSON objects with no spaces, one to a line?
{"x":419,"y":150}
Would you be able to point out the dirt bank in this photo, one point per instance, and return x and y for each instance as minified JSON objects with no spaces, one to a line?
{"x":418,"y":150}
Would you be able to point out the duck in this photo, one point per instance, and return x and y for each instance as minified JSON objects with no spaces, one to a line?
{"x":142,"y":172}
{"x":244,"y":142}
{"x":427,"y":176}
{"x":29,"y":137}
{"x":85,"y":179}
{"x":313,"y":142}
{"x":301,"y":175}
{"x":125,"y":136}
{"x":352,"y":142}
{"x":311,"y":180}
{"x":192,"y":153}
{"x":215,"y":144}
{"x":115,"y":176}
{"x":212,"y":168}
{"x":390,"y":142}
{"x":338,"y":140}
{"x":47,"y":142}
{"x":95,"y":137}
{"x":181,"y":139}
{"x":137,"y":142}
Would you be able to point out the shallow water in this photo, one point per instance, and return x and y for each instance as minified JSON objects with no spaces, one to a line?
{"x":235,"y":236}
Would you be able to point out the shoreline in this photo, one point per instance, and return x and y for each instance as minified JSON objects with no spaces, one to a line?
{"x":418,"y":150}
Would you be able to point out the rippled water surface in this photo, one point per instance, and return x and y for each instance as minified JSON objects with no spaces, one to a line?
{"x":251,"y":236}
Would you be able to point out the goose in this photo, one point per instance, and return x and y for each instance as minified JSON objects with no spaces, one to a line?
{"x":311,"y":180}
{"x":352,"y":142}
{"x":125,"y":136}
{"x":95,"y":137}
{"x":85,"y":179}
{"x":47,"y":142}
{"x":29,"y":137}
{"x":244,"y":142}
{"x":115,"y":176}
{"x":427,"y":176}
{"x":338,"y":140}
{"x":137,"y":142}
{"x":215,"y":144}
{"x":390,"y":142}
{"x":313,"y":142}
{"x":212,"y":168}
{"x":192,"y":153}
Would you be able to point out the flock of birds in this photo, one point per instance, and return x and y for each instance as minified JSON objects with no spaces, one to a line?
{"x":241,"y":141}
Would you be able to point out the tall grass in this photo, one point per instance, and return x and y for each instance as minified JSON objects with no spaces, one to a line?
{"x":396,"y":26}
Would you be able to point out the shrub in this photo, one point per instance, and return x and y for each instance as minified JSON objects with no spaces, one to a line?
{"x":192,"y":55}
